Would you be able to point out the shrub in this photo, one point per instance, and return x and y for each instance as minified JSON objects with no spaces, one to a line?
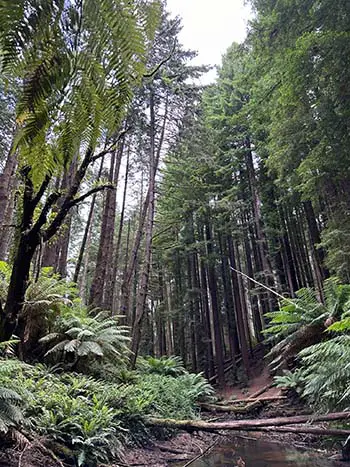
{"x":92,"y":419}
{"x":166,"y":366}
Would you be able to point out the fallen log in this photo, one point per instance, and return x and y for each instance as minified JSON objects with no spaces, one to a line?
{"x":250,"y":399}
{"x":244,"y":425}
{"x":312,"y":430}
{"x":262,"y":390}
{"x":231,"y":408}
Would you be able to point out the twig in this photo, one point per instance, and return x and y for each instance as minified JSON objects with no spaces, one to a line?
{"x":20,"y":457}
{"x":288,"y":300}
{"x":206,"y":451}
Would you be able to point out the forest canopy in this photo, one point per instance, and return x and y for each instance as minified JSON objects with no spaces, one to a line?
{"x":155,"y":232}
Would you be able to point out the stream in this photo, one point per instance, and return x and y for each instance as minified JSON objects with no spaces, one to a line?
{"x":258,"y":453}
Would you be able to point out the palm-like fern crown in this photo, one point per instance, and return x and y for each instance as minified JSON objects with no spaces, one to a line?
{"x":85,"y":334}
{"x":78,"y":62}
{"x":304,"y":314}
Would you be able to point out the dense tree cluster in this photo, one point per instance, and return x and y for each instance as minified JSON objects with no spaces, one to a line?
{"x":134,"y":199}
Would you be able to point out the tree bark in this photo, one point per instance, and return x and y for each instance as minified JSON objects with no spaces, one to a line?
{"x":154,"y":162}
{"x":87,"y":229}
{"x":217,"y":324}
{"x":243,"y":340}
{"x":5,"y":189}
{"x":120,"y":232}
{"x":246,"y":425}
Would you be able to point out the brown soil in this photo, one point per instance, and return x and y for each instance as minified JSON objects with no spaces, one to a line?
{"x":179,"y":449}
{"x":28,"y":457}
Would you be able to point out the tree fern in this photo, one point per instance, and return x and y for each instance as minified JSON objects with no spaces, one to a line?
{"x":327,"y":372}
{"x":167,"y":366}
{"x":85,"y":337}
{"x":78,"y":63}
{"x":300,"y":322}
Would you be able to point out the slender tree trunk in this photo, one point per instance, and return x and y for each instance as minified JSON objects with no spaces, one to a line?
{"x":154,"y":161}
{"x":212,"y":282}
{"x":243,"y":338}
{"x":318,"y":254}
{"x":6,"y":179}
{"x":120,"y":233}
{"x":87,"y":229}
{"x":228,"y":301}
{"x":111,"y":272}
{"x":209,"y":369}
{"x":130,"y":268}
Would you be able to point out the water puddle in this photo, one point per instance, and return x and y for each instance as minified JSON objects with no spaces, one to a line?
{"x":258,"y":453}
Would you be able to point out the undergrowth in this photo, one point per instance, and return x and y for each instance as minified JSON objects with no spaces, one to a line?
{"x":90,"y":420}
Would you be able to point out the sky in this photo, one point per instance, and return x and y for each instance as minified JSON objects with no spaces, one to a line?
{"x":210,"y":27}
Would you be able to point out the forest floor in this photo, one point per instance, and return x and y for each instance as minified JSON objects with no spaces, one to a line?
{"x":181,"y":449}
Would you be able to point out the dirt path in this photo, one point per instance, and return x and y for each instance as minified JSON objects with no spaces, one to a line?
{"x":260,"y":378}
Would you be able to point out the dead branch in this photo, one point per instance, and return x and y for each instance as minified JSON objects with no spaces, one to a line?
{"x":245,"y":425}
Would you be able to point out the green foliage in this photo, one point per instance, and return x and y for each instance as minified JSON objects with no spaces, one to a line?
{"x":324,"y":374}
{"x":167,"y":366}
{"x":5,"y":273}
{"x":78,"y":65}
{"x":327,"y":373}
{"x":92,"y":418}
{"x":299,"y":321}
{"x":291,"y":380}
{"x":81,"y":337}
{"x":10,"y":412}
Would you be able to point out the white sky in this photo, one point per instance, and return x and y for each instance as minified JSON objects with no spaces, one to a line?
{"x":210,"y":27}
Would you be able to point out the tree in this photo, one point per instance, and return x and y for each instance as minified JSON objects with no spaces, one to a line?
{"x":76,"y":84}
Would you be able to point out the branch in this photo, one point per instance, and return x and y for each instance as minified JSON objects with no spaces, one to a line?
{"x":41,"y":191}
{"x":112,"y":147}
{"x":81,"y":198}
{"x":44,"y":212}
{"x":157,"y":68}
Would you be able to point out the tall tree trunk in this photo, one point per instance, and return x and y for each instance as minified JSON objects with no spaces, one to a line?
{"x":243,"y":338}
{"x":87,"y":229}
{"x":7,"y":231}
{"x":228,"y":302}
{"x":217,"y":320}
{"x":318,"y":254}
{"x":102,"y":269}
{"x":110,"y":275}
{"x":6,"y":187}
{"x":205,"y":312}
{"x":120,"y":233}
{"x":154,"y":161}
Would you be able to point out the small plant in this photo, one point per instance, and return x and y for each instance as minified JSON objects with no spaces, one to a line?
{"x":10,"y":412}
{"x":167,"y":366}
{"x":294,"y":380}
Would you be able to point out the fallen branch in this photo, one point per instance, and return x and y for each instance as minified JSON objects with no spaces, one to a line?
{"x":168,"y":449}
{"x":253,"y":399}
{"x":231,"y":408}
{"x":312,"y":430}
{"x":226,"y":369}
{"x":202,"y":453}
{"x":244,"y":425}
{"x":261,"y":391}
